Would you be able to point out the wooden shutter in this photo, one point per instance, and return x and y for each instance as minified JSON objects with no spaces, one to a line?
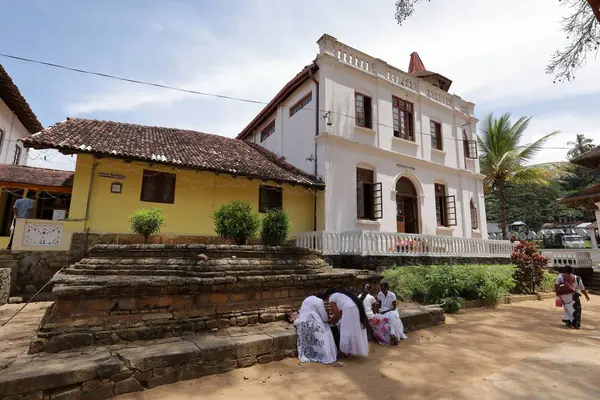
{"x":368,"y":112}
{"x":377,"y":201}
{"x":471,"y":149}
{"x":450,"y":210}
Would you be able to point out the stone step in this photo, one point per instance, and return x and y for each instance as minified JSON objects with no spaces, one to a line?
{"x":100,"y":373}
{"x":5,"y":263}
{"x":195,"y":251}
{"x":183,"y":273}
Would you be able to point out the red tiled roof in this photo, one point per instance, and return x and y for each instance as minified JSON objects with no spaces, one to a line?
{"x":283,"y":94}
{"x":590,"y":159}
{"x":171,"y":146}
{"x":10,"y":94}
{"x":590,"y":194}
{"x":22,"y":174}
{"x":415,"y":64}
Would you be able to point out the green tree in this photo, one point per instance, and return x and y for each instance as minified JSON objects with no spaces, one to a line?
{"x":504,"y":159}
{"x":580,"y":145}
{"x":581,"y":27}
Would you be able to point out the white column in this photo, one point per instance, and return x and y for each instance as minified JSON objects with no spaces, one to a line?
{"x":593,"y":238}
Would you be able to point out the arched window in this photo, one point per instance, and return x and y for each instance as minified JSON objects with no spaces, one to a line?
{"x":405,"y":187}
{"x":407,"y":210}
{"x":474,"y":224}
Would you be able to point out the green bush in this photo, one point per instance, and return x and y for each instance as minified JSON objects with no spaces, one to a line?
{"x":146,"y":222}
{"x":450,"y":285}
{"x":237,"y":221}
{"x":547,"y":284}
{"x":275,"y":228}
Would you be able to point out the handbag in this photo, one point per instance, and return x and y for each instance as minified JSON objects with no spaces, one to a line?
{"x":558,"y":302}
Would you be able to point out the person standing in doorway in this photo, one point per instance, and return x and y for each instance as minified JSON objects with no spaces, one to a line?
{"x":22,"y":208}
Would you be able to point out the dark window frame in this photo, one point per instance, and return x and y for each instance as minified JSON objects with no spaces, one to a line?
{"x":363,"y":110}
{"x":403,"y":116}
{"x":159,"y":181}
{"x":1,"y":140}
{"x":470,"y":146}
{"x":474,"y":217}
{"x":300,"y":104}
{"x":435,"y":130}
{"x":369,"y":196}
{"x":445,"y":206}
{"x":268,"y":194}
{"x":17,"y":155}
{"x":267,"y":131}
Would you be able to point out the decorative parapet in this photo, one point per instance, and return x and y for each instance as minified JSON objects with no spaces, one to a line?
{"x":330,"y":46}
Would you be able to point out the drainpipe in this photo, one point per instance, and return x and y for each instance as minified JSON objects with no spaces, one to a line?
{"x":316,"y":159}
{"x":89,"y":199}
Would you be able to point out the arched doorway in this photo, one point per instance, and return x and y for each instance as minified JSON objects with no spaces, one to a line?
{"x":407,"y":211}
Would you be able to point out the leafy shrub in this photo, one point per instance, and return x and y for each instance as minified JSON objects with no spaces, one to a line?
{"x":237,"y":221}
{"x":452,"y":305}
{"x":529,"y":266}
{"x":547,"y":284}
{"x":451,"y":285}
{"x":275,"y":228}
{"x":408,"y":283}
{"x":146,"y":222}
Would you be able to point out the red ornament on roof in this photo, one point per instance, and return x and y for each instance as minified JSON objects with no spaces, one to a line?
{"x":416,"y":64}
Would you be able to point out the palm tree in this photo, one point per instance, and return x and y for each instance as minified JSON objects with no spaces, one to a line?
{"x":504,"y":160}
{"x":580,"y":146}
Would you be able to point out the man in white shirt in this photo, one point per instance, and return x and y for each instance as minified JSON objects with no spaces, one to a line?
{"x":387,"y":300}
{"x":569,"y":287}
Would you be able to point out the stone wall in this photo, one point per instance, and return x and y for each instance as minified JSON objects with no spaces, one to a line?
{"x":4,"y":285}
{"x":142,"y":292}
{"x":381,"y":263}
{"x":35,"y":268}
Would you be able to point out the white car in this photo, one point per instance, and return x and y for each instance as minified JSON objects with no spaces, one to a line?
{"x":572,"y":242}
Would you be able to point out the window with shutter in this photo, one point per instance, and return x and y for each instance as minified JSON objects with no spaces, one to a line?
{"x":269,"y":198}
{"x":470,"y":146}
{"x":363,"y":110}
{"x":369,"y":197}
{"x":158,"y":187}
{"x":445,"y":206}
{"x":402,"y":114}
{"x":474,"y":224}
{"x":435,"y":130}
{"x":17,"y":155}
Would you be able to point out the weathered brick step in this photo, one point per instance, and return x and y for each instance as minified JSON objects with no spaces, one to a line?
{"x":200,"y":267}
{"x":174,"y":272}
{"x":195,"y":250}
{"x":97,"y":373}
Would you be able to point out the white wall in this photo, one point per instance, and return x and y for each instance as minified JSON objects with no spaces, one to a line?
{"x":13,"y":130}
{"x":294,"y":136}
{"x":341,"y":159}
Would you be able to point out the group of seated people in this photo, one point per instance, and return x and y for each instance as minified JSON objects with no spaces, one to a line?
{"x":323,"y":337}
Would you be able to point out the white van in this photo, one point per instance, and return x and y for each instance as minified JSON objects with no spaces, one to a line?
{"x":572,"y":242}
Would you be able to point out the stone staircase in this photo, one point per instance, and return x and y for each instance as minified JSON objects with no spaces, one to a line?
{"x":142,"y":292}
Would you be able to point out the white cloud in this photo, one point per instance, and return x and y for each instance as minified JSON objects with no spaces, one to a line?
{"x":496,"y":56}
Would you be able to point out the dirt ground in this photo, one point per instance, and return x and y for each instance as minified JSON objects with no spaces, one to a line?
{"x":476,"y":347}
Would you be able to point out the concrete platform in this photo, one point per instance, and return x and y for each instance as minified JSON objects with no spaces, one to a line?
{"x":102,"y":372}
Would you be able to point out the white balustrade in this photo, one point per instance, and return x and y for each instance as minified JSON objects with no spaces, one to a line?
{"x":400,"y":244}
{"x":563,"y":257}
{"x":374,"y":66}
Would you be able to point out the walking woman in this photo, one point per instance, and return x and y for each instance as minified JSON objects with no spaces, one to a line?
{"x":569,"y":288}
{"x":315,"y":340}
{"x":349,"y":314}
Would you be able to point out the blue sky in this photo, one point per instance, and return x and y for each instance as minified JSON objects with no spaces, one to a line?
{"x":495,"y":56}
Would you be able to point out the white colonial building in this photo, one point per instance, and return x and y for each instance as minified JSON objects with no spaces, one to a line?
{"x":396,"y":151}
{"x":16,"y":122}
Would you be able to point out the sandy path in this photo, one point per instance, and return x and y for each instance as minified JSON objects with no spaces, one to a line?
{"x":431,"y":363}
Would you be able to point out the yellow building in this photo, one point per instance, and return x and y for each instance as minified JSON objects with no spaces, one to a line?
{"x":122,"y":167}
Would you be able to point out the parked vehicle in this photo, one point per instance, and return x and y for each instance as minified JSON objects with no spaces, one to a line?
{"x":572,"y":242}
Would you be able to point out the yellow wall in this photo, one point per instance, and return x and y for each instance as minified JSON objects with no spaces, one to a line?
{"x":197,"y":195}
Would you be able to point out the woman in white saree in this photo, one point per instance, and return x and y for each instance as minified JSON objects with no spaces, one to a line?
{"x":315,"y":340}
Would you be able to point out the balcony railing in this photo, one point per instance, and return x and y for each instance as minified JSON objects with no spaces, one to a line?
{"x":577,"y":258}
{"x":368,"y":243}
